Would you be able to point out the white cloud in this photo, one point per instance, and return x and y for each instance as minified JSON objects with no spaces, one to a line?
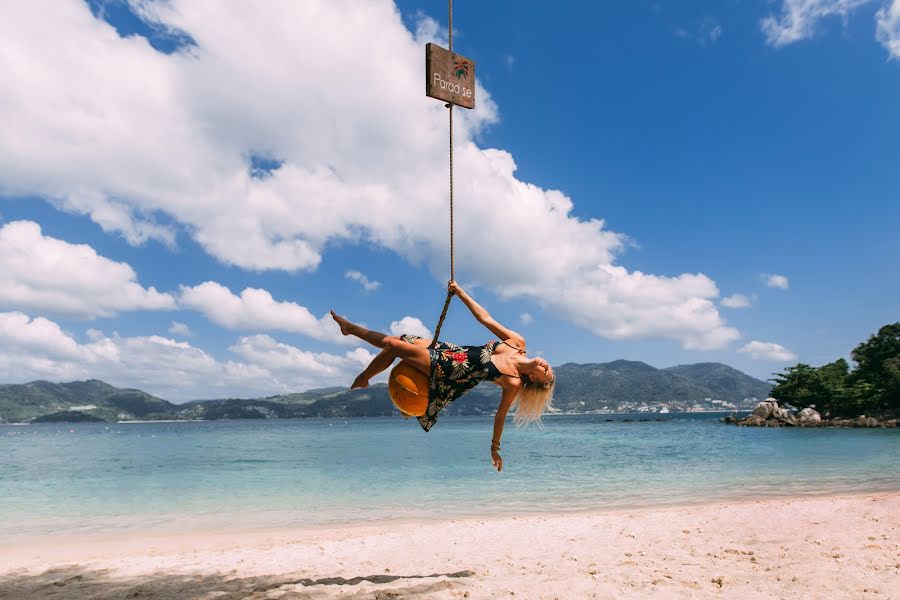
{"x":38,"y":349}
{"x":736,"y":301}
{"x":614,"y":303}
{"x":775,"y":281}
{"x":526,"y":319}
{"x":41,"y":273}
{"x":704,"y":33}
{"x":38,"y":335}
{"x":369,"y":286}
{"x":888,"y":28}
{"x":767,"y":351}
{"x":373,"y":172}
{"x":275,"y":356}
{"x":256,"y":310}
{"x":410,"y":325}
{"x":799,"y":18}
{"x":178,"y":328}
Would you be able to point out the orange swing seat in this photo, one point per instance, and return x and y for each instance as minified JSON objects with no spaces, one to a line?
{"x":408,"y":388}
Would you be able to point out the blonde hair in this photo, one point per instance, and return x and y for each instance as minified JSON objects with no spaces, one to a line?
{"x":532,"y":400}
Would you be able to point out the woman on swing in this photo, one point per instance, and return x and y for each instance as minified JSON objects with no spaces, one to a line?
{"x":454,"y":370}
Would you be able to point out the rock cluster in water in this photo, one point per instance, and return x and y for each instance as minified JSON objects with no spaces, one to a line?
{"x":769,"y":414}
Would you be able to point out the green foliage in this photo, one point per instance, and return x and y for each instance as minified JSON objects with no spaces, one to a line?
{"x":835,"y":390}
{"x":879,"y":365}
{"x":800,"y":386}
{"x":68,"y":416}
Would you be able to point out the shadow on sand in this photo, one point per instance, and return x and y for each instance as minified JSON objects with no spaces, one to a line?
{"x":76,"y":583}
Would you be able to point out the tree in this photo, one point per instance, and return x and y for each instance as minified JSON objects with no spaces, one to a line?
{"x":800,"y":386}
{"x":828,"y":388}
{"x":836,"y":390}
{"x":878,"y":360}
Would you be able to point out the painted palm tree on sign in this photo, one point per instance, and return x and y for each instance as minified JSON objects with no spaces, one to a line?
{"x":461,"y":69}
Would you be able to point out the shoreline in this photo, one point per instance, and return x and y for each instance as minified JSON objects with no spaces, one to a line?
{"x":232,"y":523}
{"x":837,"y":546}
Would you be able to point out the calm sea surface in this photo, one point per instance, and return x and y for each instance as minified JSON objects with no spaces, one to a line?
{"x":86,"y":478}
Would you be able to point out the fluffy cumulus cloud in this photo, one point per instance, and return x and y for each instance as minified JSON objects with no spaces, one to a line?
{"x":37,"y":348}
{"x":772,"y":280}
{"x":888,"y":28}
{"x":361,"y":279}
{"x":767,"y":351}
{"x":256,"y":310}
{"x":799,"y":18}
{"x":45,"y":274}
{"x":410,"y":325}
{"x":736,"y":301}
{"x":151,"y":145}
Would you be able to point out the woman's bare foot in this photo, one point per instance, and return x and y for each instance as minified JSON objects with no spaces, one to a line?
{"x":344,"y":325}
{"x":359,"y":383}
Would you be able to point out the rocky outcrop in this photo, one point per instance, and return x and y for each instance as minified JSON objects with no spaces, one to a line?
{"x":809,"y":416}
{"x":765,"y":409}
{"x":769,"y":414}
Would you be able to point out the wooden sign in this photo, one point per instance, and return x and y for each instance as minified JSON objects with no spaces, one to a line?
{"x":449,"y":76}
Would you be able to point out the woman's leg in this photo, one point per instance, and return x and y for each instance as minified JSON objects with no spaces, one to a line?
{"x":381,"y":362}
{"x":375,"y":338}
{"x":415,"y":354}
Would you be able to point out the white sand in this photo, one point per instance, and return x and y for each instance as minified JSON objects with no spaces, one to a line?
{"x":834,"y":547}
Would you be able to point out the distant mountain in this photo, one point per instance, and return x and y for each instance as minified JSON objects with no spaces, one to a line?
{"x":20,"y":403}
{"x":617,"y":385}
{"x":726,"y":382}
{"x":624,"y":382}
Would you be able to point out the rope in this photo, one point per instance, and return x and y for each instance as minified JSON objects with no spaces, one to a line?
{"x":452,"y":275}
{"x":450,"y":108}
{"x":437,"y":330}
{"x":450,"y":24}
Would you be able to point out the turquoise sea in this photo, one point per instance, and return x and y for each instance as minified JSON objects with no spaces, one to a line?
{"x":62,"y":479}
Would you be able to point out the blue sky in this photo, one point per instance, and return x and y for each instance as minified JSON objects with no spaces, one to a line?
{"x":183,"y":194}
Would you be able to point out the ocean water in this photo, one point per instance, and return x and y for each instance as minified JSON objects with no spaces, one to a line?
{"x":60,"y":479}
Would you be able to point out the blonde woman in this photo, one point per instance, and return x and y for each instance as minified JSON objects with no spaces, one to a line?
{"x":453,"y":370}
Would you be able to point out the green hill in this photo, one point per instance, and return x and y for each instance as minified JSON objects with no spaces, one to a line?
{"x":24,"y":402}
{"x":624,"y":384}
{"x":726,"y":382}
{"x":617,"y":385}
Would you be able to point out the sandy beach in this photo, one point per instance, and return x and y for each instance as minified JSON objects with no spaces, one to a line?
{"x":831,"y":547}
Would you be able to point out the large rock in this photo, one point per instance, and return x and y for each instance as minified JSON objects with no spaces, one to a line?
{"x":781,"y":413}
{"x":809,"y":416}
{"x":765,"y":409}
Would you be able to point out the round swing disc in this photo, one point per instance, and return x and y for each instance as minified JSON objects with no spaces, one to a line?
{"x":408,"y":388}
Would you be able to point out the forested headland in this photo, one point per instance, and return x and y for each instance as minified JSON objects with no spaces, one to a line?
{"x":837,"y":390}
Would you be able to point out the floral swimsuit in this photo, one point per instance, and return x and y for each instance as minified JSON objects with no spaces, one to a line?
{"x":454,"y":371}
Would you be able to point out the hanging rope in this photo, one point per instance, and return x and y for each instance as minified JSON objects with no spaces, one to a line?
{"x":437,"y":330}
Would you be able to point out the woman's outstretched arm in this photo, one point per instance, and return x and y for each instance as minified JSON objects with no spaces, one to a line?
{"x":484,"y":317}
{"x":509,"y":395}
